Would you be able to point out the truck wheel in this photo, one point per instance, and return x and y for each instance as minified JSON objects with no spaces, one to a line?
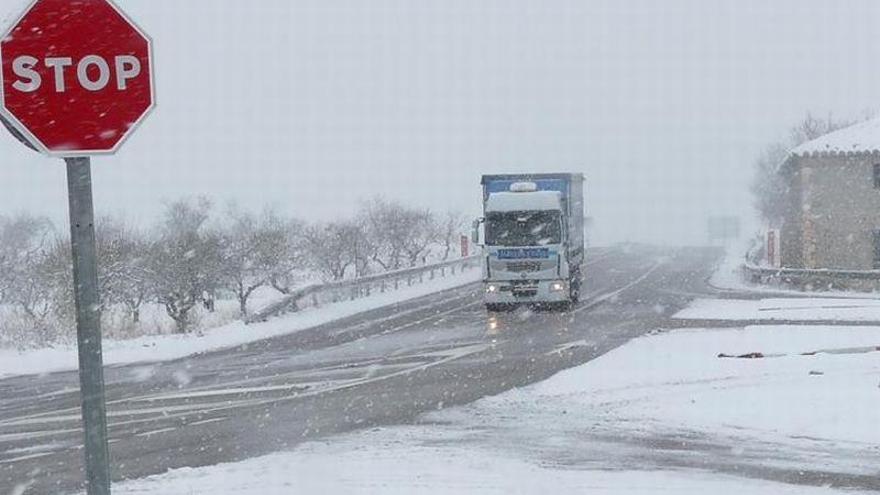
{"x":563,"y":306}
{"x":575,"y":291}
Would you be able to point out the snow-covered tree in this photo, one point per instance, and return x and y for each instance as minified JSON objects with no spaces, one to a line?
{"x":253,"y":248}
{"x":123,"y":272}
{"x":422,"y":232}
{"x":289,"y":271}
{"x":24,"y":241}
{"x":332,"y":247}
{"x":398,"y":234}
{"x":185,"y":260}
{"x":450,"y":227}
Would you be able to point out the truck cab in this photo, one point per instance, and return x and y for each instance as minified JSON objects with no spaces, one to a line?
{"x":533,"y":240}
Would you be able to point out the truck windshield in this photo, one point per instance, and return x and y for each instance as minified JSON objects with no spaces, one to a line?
{"x":523,"y":228}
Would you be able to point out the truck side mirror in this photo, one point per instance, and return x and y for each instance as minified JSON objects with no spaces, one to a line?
{"x":475,"y":233}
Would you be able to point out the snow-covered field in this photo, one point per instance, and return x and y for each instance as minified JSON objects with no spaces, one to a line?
{"x":169,"y":347}
{"x":601,"y":427}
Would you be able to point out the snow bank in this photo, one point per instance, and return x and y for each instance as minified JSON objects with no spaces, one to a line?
{"x":796,"y":309}
{"x":170,"y":347}
{"x":370,"y":464}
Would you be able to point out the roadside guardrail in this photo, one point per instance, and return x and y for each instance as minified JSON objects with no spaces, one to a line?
{"x":813,"y":278}
{"x":331,"y":292}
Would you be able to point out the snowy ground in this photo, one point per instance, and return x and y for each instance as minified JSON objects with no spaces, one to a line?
{"x":409,"y":467}
{"x":169,"y":347}
{"x":605,"y":427}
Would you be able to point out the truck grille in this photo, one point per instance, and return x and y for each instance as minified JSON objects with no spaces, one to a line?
{"x":524,"y":289}
{"x":524,"y":266}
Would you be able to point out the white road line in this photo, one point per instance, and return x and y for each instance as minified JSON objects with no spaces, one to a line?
{"x":31,"y":435}
{"x":610,"y":295}
{"x":433,"y":316}
{"x":25,"y":457}
{"x":156,"y":432}
{"x":207,"y":421}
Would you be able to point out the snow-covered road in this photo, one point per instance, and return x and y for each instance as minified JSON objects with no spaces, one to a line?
{"x":660,"y":415}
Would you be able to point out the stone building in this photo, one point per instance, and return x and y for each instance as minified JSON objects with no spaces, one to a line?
{"x":832,"y":211}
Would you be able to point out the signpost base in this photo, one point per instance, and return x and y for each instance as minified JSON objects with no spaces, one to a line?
{"x":88,"y":324}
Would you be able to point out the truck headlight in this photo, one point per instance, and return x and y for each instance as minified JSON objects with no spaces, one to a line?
{"x":491,"y":288}
{"x":557,"y":286}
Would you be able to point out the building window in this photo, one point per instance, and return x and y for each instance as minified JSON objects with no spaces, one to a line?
{"x":877,"y":176}
{"x":877,"y":249}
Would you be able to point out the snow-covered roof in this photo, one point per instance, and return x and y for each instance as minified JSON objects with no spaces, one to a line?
{"x":856,"y":139}
{"x":524,"y":201}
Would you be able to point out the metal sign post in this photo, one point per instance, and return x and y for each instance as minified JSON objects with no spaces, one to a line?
{"x":88,"y":324}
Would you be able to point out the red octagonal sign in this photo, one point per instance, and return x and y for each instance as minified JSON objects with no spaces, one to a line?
{"x":76,"y":77}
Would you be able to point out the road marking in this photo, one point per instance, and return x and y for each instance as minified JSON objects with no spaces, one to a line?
{"x":155,"y":432}
{"x":569,"y":346}
{"x":397,"y":315}
{"x":26,"y":457}
{"x":429,"y":318}
{"x":207,"y":421}
{"x":297,"y":387}
{"x":610,"y":295}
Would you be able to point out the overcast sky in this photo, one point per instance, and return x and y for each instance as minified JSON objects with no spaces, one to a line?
{"x":314,"y":105}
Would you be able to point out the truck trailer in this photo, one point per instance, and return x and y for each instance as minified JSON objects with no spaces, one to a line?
{"x":533,"y":240}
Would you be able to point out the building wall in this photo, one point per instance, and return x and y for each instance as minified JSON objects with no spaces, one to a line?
{"x":840,"y":209}
{"x":791,"y":229}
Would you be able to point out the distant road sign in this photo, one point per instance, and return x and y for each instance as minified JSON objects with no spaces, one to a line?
{"x":723,"y":228}
{"x":76,"y":78}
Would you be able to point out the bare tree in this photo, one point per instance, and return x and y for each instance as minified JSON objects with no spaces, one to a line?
{"x":422,"y":231}
{"x":253,"y":248}
{"x":769,"y":188}
{"x":398,"y":234}
{"x":330,"y":247}
{"x":123,"y":271}
{"x":812,"y":128}
{"x":287,"y":273}
{"x":24,"y":243}
{"x":184,"y":260}
{"x":385,"y":230}
{"x":452,"y":224}
{"x":35,"y":278}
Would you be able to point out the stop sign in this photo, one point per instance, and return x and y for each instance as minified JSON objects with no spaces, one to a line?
{"x":76,"y":77}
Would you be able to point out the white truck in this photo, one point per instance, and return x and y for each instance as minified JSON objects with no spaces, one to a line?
{"x":533,"y":239}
